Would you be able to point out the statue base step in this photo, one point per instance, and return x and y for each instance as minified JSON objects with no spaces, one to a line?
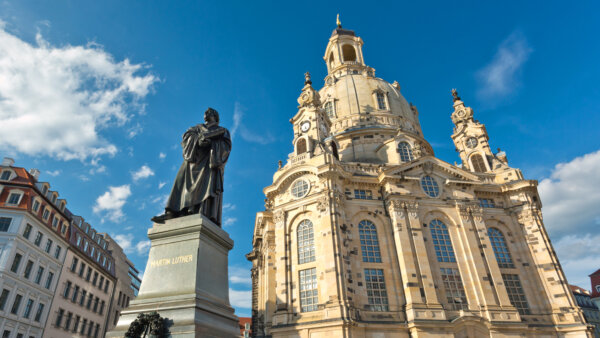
{"x":186,"y":281}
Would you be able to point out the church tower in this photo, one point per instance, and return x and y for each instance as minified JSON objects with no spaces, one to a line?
{"x":366,"y":233}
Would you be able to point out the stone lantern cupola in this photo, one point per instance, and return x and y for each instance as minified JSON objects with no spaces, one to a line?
{"x":344,"y":49}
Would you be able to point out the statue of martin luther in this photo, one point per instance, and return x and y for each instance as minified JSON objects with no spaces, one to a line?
{"x":198,"y":186}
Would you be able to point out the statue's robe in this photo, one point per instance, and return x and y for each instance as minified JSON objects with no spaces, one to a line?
{"x":198,"y":186}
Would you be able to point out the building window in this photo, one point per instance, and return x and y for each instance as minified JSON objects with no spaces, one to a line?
{"x":330,"y":109}
{"x":16,"y":304}
{"x":380,"y":100}
{"x":14,"y":198}
{"x":6,"y":334}
{"x":106,"y":287}
{"x":89,"y":302}
{"x":81,"y":269}
{"x":101,"y":282}
{"x":67,"y":290}
{"x":54,"y":222}
{"x":68,"y":321}
{"x":36,"y":206}
{"x":75,"y":294}
{"x":82,"y":299}
{"x":369,"y":243}
{"x":38,"y":238}
{"x":38,"y":276}
{"x":101,"y":311}
{"x":96,"y":302}
{"x":376,"y":291}
{"x":16,"y":262}
{"x":516,"y":293}
{"x":90,"y":327}
{"x":96,"y":330}
{"x":348,"y":52}
{"x":83,"y":325}
{"x":49,"y":279}
{"x":46,"y":213}
{"x":309,"y":296}
{"x":500,"y":248}
{"x":455,"y":292}
{"x":441,"y":241}
{"x":478,"y":164}
{"x":28,"y":268}
{"x":57,"y":252}
{"x":486,"y":203}
{"x":430,"y":186}
{"x":85,"y":245}
{"x":28,"y":308}
{"x":27,"y":231}
{"x":306,"y":242}
{"x":5,"y":175}
{"x":300,"y":188}
{"x":78,"y":240}
{"x":89,"y":274}
{"x":5,"y":223}
{"x":301,"y":147}
{"x":40,"y":311}
{"x":363,"y":194}
{"x":48,"y":245}
{"x":59,"y":317}
{"x":76,"y":324}
{"x":3,"y":298}
{"x":95,"y":279}
{"x":405,"y":151}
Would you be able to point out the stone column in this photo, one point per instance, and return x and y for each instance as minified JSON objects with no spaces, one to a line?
{"x":186,"y":280}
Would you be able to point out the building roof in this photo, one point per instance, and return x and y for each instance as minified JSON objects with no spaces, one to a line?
{"x":597,"y":272}
{"x":577,"y":289}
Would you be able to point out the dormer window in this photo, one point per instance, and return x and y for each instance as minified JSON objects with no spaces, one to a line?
{"x":45,"y":190}
{"x":405,"y":151}
{"x":55,"y":222}
{"x":5,"y":175}
{"x":36,"y":206}
{"x":45,"y":214}
{"x":53,"y":198}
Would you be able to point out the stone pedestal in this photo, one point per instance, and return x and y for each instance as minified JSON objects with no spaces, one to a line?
{"x":186,"y":280}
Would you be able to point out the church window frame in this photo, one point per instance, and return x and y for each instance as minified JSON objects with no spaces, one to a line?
{"x":376,"y":290}
{"x":405,"y":151}
{"x":516,"y":293}
{"x":487,"y":203}
{"x":500,"y":248}
{"x":369,"y":242}
{"x":478,"y":163}
{"x":305,"y":236}
{"x":361,"y":194}
{"x":456,"y":296}
{"x":430,"y":186}
{"x":300,"y":188}
{"x":380,"y":99}
{"x":442,"y":243}
{"x":330,"y":109}
{"x":301,"y":146}
{"x":309,"y":291}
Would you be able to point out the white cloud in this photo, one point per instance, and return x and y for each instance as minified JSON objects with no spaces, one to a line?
{"x":143,"y":172}
{"x":229,"y":221}
{"x":571,"y":194}
{"x":239,"y":275}
{"x":228,"y":206}
{"x":133,"y":131}
{"x":245,"y":133}
{"x":501,"y":76}
{"x":579,"y":257}
{"x":53,"y":173}
{"x":112,"y":202}
{"x":68,"y":95}
{"x":162,"y":156}
{"x":161,"y":184}
{"x":142,"y":247}
{"x":124,"y":241}
{"x":239,"y":298}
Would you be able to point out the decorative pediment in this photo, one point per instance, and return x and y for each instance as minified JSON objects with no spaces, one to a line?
{"x":430,"y":165}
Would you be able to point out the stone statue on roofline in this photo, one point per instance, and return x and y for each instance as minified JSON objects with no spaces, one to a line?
{"x":198,"y":186}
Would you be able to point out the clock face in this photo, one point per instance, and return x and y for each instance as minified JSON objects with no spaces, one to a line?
{"x":471,"y":142}
{"x":305,"y":126}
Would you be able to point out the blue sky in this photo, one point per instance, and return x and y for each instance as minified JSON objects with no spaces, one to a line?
{"x":97,"y":94}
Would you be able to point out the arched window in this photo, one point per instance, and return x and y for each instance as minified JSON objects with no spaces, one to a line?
{"x":369,"y":243}
{"x":331,"y":61}
{"x":441,"y":241}
{"x":500,"y":248}
{"x":301,"y":146}
{"x":381,"y":100}
{"x":478,"y":164}
{"x":330,"y":109}
{"x":430,"y":186}
{"x":349,"y":53}
{"x":406,"y":154}
{"x":306,"y":242}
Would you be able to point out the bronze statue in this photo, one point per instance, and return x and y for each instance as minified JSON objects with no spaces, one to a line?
{"x":198,"y":186}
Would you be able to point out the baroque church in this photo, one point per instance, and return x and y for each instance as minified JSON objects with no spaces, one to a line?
{"x":366,"y":233}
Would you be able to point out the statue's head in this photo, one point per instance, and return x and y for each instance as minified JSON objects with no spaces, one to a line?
{"x":211,"y":115}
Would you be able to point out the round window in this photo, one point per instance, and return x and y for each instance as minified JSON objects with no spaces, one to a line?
{"x":300,"y":188}
{"x":430,"y":186}
{"x":471,"y":142}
